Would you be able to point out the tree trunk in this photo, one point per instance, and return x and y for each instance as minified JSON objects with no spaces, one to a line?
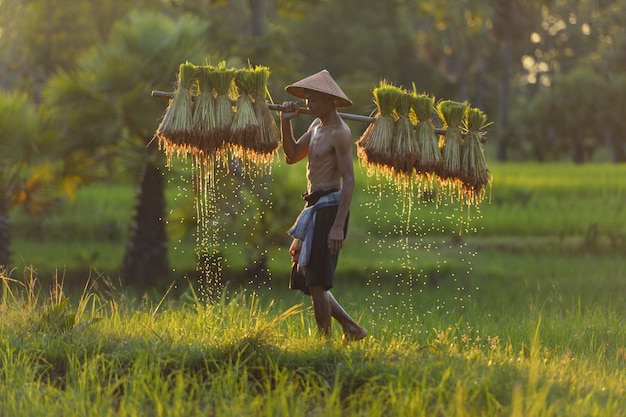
{"x":618,"y":150}
{"x":578,"y":148}
{"x":257,"y":24}
{"x":503,"y":121}
{"x":146,"y":261}
{"x":5,"y":236}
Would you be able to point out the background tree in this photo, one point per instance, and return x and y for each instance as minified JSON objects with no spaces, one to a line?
{"x":106,"y":108}
{"x":612,"y":122}
{"x":26,"y":173}
{"x":511,"y":24}
{"x":453,"y":49}
{"x":570,"y":41}
{"x":38,"y":37}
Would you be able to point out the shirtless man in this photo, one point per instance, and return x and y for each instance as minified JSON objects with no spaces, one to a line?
{"x":330,"y":185}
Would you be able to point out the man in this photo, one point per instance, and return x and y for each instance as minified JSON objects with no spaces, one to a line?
{"x":320,"y":229}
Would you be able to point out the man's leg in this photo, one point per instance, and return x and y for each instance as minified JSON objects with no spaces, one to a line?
{"x":322,"y":307}
{"x":351,"y":330}
{"x":325,"y":307}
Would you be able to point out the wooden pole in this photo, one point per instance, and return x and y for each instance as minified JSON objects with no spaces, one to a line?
{"x":280,"y":107}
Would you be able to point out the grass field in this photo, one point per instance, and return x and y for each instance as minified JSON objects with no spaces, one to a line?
{"x":518,"y":311}
{"x":530,"y":207}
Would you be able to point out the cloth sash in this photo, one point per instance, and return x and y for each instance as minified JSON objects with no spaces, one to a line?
{"x":304,"y":225}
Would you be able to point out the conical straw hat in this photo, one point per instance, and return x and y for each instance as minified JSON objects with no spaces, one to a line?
{"x":321,"y":82}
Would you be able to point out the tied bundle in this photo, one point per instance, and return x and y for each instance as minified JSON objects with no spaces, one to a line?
{"x":452,"y":114}
{"x":268,"y":128}
{"x":404,"y":148}
{"x":430,"y":158}
{"x":475,"y":174}
{"x":204,"y":112}
{"x":176,"y":127}
{"x":223,"y":81}
{"x":245,"y":128}
{"x":374,"y":145}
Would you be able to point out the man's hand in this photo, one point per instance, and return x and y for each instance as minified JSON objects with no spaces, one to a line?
{"x":335,"y":240}
{"x":294,"y":250}
{"x":292,"y":110}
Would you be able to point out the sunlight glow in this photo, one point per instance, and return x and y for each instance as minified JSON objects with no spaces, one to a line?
{"x":528,"y":62}
{"x":535,"y":37}
{"x":585,"y":29}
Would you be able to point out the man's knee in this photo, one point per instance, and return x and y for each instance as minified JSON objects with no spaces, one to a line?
{"x":317,"y":290}
{"x":318,"y":294}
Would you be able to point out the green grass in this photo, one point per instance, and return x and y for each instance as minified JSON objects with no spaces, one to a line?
{"x":520,"y":314}
{"x":258,"y":354}
{"x":556,"y":200}
{"x":530,"y":207}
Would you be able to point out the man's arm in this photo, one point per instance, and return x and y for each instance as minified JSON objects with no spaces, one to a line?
{"x":343,"y":153}
{"x":294,"y":150}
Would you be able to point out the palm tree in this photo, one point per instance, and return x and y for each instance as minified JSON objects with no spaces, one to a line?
{"x":19,"y":171}
{"x":105,"y":111}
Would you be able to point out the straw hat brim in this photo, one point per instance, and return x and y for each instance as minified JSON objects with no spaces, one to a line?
{"x":321,"y":82}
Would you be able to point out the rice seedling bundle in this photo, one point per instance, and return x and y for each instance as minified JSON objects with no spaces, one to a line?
{"x":176,"y":126}
{"x":268,"y":128}
{"x":223,"y":80}
{"x":244,"y":132}
{"x":404,"y":143}
{"x":475,"y":174}
{"x":430,"y":158}
{"x":375,"y":144}
{"x":204,"y":112}
{"x":452,"y":114}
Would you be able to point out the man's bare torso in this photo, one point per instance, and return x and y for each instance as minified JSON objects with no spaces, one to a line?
{"x":323,"y":168}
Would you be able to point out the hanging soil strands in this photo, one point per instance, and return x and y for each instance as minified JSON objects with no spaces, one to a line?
{"x":475,"y":174}
{"x":430,"y":158}
{"x":176,"y":126}
{"x":404,"y":143}
{"x":268,"y":128}
{"x":244,"y":131}
{"x":204,"y":113}
{"x":375,"y":144}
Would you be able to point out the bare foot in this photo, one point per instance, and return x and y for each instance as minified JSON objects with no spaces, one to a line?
{"x":352,"y":333}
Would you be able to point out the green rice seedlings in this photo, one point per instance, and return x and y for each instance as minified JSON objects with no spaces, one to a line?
{"x":452,"y":114}
{"x":475,"y":174}
{"x":268,"y":128}
{"x":375,"y":144}
{"x":204,"y":113}
{"x":244,"y":132}
{"x":404,"y":142}
{"x":175,"y":128}
{"x":223,"y":81}
{"x":430,"y":158}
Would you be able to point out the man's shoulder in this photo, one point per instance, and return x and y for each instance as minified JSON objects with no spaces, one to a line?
{"x":340,"y":130}
{"x":342,"y":134}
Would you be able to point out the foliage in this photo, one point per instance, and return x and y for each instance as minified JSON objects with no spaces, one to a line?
{"x":351,"y":45}
{"x":40,"y":37}
{"x":119,"y":119}
{"x":515,"y":353}
{"x":28,"y":176}
{"x":586,"y":102}
{"x":459,"y":50}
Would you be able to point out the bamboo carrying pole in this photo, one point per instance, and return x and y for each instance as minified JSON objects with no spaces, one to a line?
{"x":280,"y":107}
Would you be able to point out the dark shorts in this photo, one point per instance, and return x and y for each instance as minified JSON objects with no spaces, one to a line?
{"x":322,"y":265}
